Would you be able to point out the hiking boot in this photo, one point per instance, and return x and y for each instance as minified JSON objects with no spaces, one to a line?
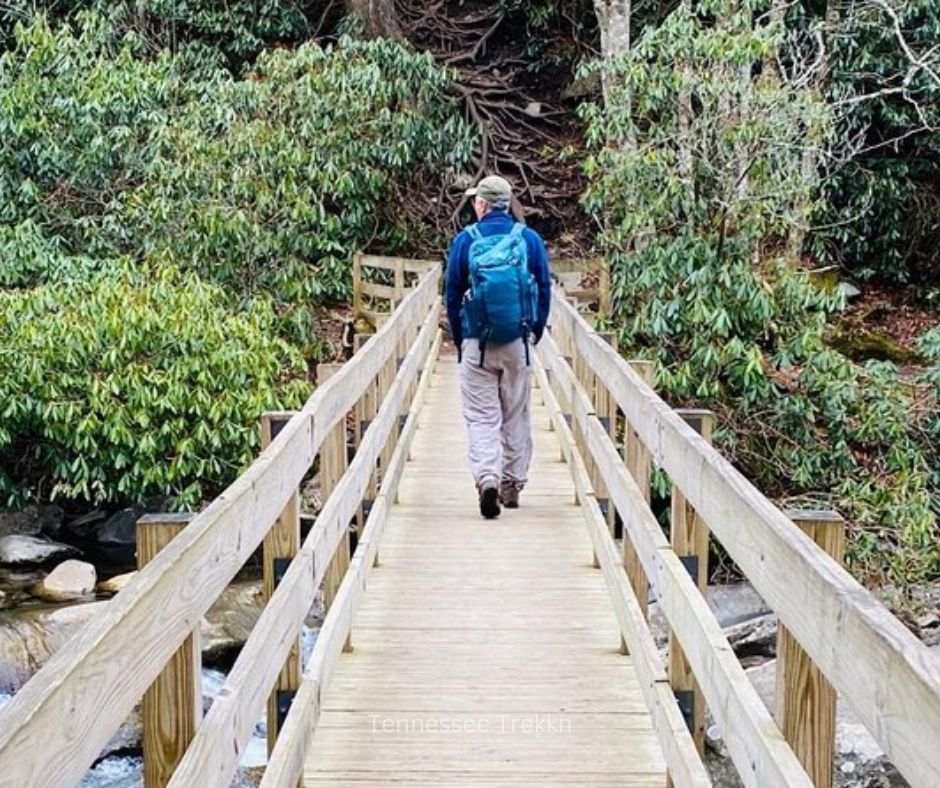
{"x":509,"y":495}
{"x":489,"y":501}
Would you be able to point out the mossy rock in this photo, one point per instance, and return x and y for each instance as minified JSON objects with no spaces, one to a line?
{"x":862,"y":344}
{"x":363,"y":325}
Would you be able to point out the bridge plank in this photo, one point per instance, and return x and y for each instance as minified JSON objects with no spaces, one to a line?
{"x":756,"y":744}
{"x":532,"y":633}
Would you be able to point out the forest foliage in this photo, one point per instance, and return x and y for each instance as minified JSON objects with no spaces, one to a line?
{"x":183,"y":184}
{"x":169,"y":225}
{"x":708,"y":167}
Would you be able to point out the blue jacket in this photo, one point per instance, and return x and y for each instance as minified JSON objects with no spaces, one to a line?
{"x":457,"y":280}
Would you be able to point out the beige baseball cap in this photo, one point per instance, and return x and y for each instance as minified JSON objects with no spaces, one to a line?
{"x":492,"y":188}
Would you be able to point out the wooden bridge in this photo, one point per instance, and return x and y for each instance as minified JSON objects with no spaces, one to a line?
{"x":458,"y":651}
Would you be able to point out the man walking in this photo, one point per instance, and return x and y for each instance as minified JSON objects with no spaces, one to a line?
{"x":498,"y":293}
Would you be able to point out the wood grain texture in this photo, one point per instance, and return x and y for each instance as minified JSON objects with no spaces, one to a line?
{"x":891,"y":680}
{"x":688,"y":536}
{"x":484,"y":649}
{"x":172,"y":705}
{"x":805,"y":706}
{"x":333,"y":461}
{"x":639,"y":464}
{"x":755,"y":743}
{"x":57,"y":724}
{"x":281,"y":542}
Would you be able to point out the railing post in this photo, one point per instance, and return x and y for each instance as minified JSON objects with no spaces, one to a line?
{"x":638,"y":461}
{"x":357,"y":285}
{"x":172,"y":706}
{"x":280,"y":545}
{"x":399,"y":281}
{"x":603,"y":287}
{"x":332,"y":467}
{"x":585,"y":378}
{"x":689,"y":537}
{"x":805,"y":700}
{"x":386,"y":378}
{"x":606,"y":409}
{"x":363,"y":414}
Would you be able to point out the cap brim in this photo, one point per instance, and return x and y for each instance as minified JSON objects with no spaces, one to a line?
{"x":471,"y":192}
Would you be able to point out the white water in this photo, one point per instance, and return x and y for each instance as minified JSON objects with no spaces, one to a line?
{"x":123,"y":771}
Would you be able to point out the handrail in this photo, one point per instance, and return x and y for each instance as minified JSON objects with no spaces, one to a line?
{"x":57,"y":724}
{"x":754,"y":741}
{"x":890,"y":678}
{"x":213,"y":755}
{"x":285,"y":766}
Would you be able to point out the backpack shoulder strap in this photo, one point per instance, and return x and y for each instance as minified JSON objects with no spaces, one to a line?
{"x":474,"y":232}
{"x":517,"y":230}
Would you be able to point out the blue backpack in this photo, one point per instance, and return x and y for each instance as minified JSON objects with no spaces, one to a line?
{"x":502,"y":303}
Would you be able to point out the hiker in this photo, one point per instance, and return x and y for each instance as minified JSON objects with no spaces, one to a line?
{"x":498,"y":293}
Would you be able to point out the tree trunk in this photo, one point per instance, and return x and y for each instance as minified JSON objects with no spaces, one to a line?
{"x":613,"y":19}
{"x":379,"y":18}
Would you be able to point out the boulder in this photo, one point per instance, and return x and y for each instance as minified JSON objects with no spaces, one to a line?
{"x":754,"y":641}
{"x":84,"y":527}
{"x":20,"y":522}
{"x":120,"y":527}
{"x":733,"y":603}
{"x":32,"y":521}
{"x":16,"y":549}
{"x":70,"y":580}
{"x":230,"y":620}
{"x":114,"y":584}
{"x":30,"y":635}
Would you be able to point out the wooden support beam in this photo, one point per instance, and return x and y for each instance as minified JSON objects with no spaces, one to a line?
{"x":172,"y":706}
{"x":606,"y":409}
{"x":689,"y":539}
{"x":805,"y":700}
{"x":363,"y":415}
{"x":278,"y":549}
{"x":333,"y":461}
{"x":637,"y":458}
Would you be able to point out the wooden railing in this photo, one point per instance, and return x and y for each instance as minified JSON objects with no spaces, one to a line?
{"x":872,"y":661}
{"x":58,"y":723}
{"x":835,"y":637}
{"x":380,"y":283}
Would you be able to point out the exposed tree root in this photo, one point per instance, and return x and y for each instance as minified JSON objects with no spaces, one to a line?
{"x":521,"y":134}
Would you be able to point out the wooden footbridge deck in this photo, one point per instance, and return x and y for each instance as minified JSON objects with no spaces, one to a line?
{"x":458,"y":651}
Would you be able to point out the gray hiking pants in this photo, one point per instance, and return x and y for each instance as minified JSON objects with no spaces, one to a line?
{"x":496,"y":409}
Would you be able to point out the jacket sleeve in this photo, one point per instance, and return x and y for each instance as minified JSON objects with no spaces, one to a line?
{"x":541,"y":270}
{"x":456,"y":284}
